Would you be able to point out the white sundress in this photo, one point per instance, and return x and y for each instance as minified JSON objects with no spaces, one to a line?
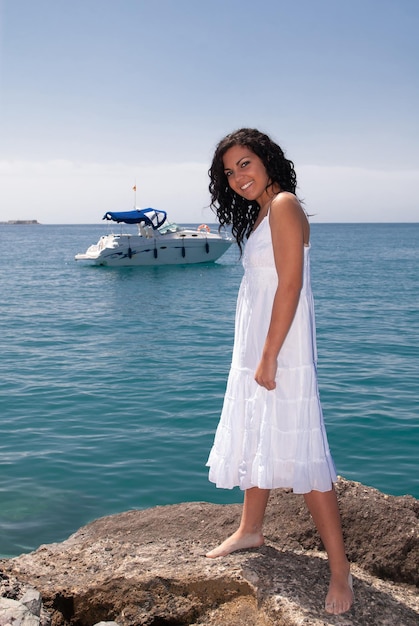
{"x":271,"y":439}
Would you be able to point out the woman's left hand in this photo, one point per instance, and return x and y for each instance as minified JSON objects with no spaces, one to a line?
{"x":266,"y":372}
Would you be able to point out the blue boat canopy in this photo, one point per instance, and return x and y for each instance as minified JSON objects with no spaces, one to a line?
{"x":150,"y":217}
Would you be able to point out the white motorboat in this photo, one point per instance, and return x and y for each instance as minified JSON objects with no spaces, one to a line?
{"x":158,"y":242}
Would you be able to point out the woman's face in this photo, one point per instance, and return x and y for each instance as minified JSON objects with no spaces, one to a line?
{"x":246,"y":174}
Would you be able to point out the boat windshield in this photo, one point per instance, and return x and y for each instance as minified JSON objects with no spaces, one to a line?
{"x":169,"y":227}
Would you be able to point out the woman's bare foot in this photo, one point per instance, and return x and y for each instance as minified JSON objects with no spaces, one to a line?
{"x":340,"y":596}
{"x":237,"y":541}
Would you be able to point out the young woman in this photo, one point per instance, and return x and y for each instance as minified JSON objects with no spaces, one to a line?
{"x":271,"y":432}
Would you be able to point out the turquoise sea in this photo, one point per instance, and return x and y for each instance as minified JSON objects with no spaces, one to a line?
{"x":112,"y":380}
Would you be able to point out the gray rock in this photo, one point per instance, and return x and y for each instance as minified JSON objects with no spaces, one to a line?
{"x":33,"y":601}
{"x":13,"y":589}
{"x":15,"y":613}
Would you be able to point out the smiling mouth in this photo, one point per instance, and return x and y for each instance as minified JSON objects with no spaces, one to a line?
{"x":246,"y":186}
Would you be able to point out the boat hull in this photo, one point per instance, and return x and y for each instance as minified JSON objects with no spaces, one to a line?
{"x":174,"y":249}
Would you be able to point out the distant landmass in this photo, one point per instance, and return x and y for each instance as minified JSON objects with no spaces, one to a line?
{"x":21,"y":222}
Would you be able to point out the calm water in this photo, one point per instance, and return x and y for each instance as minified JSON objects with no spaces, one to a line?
{"x":112,"y":380}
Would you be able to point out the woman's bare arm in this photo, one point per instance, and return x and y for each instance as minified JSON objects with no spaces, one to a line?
{"x":288,"y":227}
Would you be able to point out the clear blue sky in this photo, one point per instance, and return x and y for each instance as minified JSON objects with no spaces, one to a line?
{"x":96,"y":95}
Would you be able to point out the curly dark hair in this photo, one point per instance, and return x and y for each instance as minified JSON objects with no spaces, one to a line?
{"x":233,"y":209}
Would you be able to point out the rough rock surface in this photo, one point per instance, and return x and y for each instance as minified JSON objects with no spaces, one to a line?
{"x":148,"y":568}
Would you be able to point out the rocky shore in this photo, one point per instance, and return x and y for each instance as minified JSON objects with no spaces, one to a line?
{"x":148,"y":568}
